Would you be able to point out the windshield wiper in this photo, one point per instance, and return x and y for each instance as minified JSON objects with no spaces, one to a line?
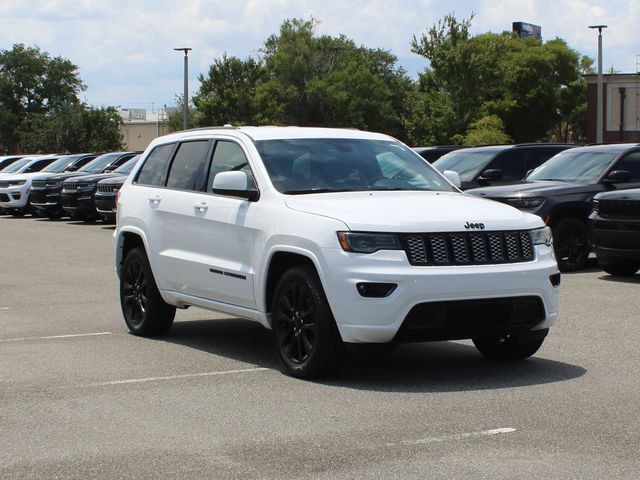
{"x":318,"y":190}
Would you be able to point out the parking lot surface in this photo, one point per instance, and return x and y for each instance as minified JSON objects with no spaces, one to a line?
{"x":81,"y":398}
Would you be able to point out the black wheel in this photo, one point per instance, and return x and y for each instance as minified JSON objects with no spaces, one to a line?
{"x":145,"y":313}
{"x":511,"y":347}
{"x":571,"y":244}
{"x":19,"y":212}
{"x":305,"y":335}
{"x":621,"y":268}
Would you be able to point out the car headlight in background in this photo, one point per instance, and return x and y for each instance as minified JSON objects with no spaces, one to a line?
{"x":596,"y":204}
{"x":16,"y":183}
{"x":542,"y":236}
{"x":525,"y":202}
{"x":363,"y":242}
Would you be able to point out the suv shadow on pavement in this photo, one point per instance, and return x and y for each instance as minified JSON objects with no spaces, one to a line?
{"x":418,"y":367}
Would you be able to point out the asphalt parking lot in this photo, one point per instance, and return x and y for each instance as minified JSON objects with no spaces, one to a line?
{"x":81,"y":398}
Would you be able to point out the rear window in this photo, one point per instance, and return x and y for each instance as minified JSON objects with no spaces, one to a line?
{"x":155,"y":166}
{"x":187,"y":165}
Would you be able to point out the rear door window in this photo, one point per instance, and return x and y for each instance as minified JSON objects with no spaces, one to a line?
{"x":538,"y":156}
{"x":39,"y":165}
{"x":630,"y":163}
{"x":512,"y":164}
{"x":155,"y":166}
{"x":188,"y":164}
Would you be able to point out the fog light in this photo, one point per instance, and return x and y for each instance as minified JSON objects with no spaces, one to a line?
{"x":555,"y":279}
{"x":375,"y":290}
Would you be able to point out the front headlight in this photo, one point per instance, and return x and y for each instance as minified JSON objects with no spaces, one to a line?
{"x":542,"y":236}
{"x":596,"y":204}
{"x":364,"y":242}
{"x":525,"y":202}
{"x":16,"y":183}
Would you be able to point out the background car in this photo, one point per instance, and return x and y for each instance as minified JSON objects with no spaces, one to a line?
{"x":431,"y":154}
{"x":32,"y":163}
{"x":8,"y":160}
{"x":615,"y":226}
{"x":497,"y":164}
{"x":107,"y":190}
{"x":46,"y":191}
{"x":78,"y":192}
{"x":561,"y":191}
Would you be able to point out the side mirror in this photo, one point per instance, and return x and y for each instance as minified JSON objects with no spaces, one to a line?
{"x":72,"y":168}
{"x":618,"y":176}
{"x":234,"y":184}
{"x":453,"y":177}
{"x":491,"y":174}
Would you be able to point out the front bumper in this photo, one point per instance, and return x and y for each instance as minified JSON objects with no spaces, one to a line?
{"x":14,"y":197}
{"x":106,"y":205}
{"x":615,"y":240}
{"x":496,"y":289}
{"x":80,"y":203}
{"x":46,"y":200}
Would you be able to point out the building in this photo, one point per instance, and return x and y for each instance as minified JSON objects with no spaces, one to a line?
{"x":140,"y":127}
{"x":524,"y":29}
{"x":621,"y":107}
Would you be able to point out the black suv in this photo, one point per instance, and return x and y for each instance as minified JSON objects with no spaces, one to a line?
{"x":615,"y":223}
{"x":561,"y":190}
{"x":431,"y":154}
{"x":107,"y":190}
{"x":497,"y":164}
{"x":78,"y":193}
{"x":46,"y":191}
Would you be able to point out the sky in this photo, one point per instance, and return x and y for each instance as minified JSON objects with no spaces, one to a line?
{"x":124,"y":49}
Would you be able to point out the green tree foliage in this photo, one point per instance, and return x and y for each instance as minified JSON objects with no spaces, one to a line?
{"x":488,"y":130}
{"x":175,"y":115}
{"x":72,"y":127}
{"x":308,"y":80}
{"x":32,"y":83}
{"x":530,"y":85}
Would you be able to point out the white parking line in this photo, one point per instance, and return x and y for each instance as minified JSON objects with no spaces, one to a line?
{"x":457,"y":436}
{"x":169,"y":377}
{"x":4,"y":308}
{"x":22,"y":339}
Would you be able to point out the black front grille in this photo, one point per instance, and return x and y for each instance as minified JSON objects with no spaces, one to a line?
{"x":468,"y":248}
{"x":70,"y":186}
{"x":108,"y":188}
{"x":470,"y":318}
{"x":4,"y":197}
{"x":39,"y":184}
{"x":619,"y":209}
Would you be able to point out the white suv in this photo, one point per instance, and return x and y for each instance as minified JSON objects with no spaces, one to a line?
{"x":327,"y":237}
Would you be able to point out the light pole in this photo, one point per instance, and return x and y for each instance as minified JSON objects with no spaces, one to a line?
{"x":599,"y":103}
{"x":185,"y":98}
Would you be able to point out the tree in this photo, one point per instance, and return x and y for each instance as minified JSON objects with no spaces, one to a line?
{"x":71,"y":128}
{"x":488,"y":130}
{"x":33,"y":83}
{"x":175,"y":116}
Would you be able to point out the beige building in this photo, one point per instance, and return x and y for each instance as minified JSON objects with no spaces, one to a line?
{"x":140,"y":127}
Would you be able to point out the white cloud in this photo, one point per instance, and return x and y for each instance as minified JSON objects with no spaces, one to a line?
{"x":125,"y":48}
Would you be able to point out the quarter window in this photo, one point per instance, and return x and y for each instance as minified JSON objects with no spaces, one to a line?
{"x":153,"y":170}
{"x":187,"y":165}
{"x":229,"y":157}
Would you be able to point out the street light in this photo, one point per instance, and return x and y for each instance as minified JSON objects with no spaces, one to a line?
{"x":185,"y":98}
{"x":599,"y":103}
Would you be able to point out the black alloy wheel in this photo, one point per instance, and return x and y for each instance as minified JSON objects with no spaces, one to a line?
{"x":511,"y":347}
{"x":305,"y":334}
{"x":571,"y":244}
{"x":144,"y":310}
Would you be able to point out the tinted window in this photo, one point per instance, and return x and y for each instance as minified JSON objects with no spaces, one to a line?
{"x":580,"y":165}
{"x":152,"y":172}
{"x":538,"y":156}
{"x":127,"y":167}
{"x":512,"y":164}
{"x":14,"y":167}
{"x":98,"y":164}
{"x":38,"y":165}
{"x":630,"y":163}
{"x":83,"y":161}
{"x":229,"y":157}
{"x":187,"y":165}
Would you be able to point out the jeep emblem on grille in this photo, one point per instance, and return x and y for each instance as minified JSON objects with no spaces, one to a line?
{"x":469,"y":225}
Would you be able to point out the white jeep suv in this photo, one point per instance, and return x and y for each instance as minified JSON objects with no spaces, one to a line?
{"x":327,"y":237}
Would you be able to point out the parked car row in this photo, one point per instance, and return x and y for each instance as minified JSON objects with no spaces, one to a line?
{"x":561,"y":190}
{"x":54,"y":186}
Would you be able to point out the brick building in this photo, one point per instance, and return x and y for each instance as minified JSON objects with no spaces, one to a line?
{"x":621,"y":107}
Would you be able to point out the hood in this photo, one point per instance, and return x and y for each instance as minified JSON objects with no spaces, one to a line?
{"x":631,"y":194}
{"x":533,"y":189}
{"x":114,"y":179}
{"x":412,"y":211}
{"x":94,"y":177}
{"x":21,"y":176}
{"x":59,"y":176}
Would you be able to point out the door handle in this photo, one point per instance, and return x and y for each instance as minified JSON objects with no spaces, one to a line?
{"x":201,"y":207}
{"x":155,"y":199}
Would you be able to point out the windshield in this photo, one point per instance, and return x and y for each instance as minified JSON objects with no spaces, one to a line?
{"x":98,"y":164}
{"x":574,"y":166}
{"x":320,"y":165}
{"x":59,"y":165}
{"x":467,"y":164}
{"x":126,"y":168}
{"x":15,"y":166}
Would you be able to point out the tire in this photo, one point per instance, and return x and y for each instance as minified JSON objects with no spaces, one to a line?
{"x":19,"y":212}
{"x":511,"y":347}
{"x":571,"y":244}
{"x":621,"y":269}
{"x":305,"y":335}
{"x":145,"y":312}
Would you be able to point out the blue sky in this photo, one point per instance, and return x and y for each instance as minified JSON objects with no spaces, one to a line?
{"x":125,"y":48}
